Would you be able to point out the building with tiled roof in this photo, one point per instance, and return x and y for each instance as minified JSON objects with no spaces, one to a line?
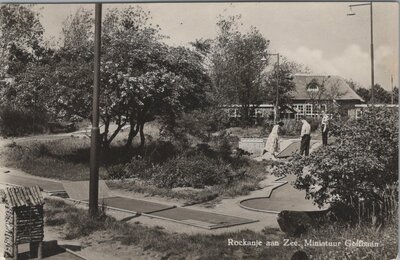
{"x":312,"y":96}
{"x":316,"y":94}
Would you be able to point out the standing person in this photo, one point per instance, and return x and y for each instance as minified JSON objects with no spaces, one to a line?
{"x":305,"y":138}
{"x":271,"y":147}
{"x":325,"y":129}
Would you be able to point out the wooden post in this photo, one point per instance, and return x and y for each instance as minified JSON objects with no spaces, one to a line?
{"x":40,"y":250}
{"x":35,"y":249}
{"x":95,"y":132}
{"x":15,"y":246}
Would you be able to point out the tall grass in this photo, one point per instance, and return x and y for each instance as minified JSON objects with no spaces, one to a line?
{"x":66,"y":159}
{"x":77,"y":224}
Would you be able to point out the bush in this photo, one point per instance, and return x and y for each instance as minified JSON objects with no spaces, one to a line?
{"x":197,"y":124}
{"x":314,"y":123}
{"x":191,"y":171}
{"x":160,"y":151}
{"x":15,"y":122}
{"x":360,"y":168}
{"x":291,"y":128}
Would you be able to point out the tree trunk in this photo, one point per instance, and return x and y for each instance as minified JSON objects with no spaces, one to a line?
{"x":142,"y":137}
{"x":120,"y":125}
{"x":132,"y":133}
{"x":104,"y":136}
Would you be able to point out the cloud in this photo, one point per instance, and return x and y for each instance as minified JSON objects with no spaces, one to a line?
{"x":353,"y":63}
{"x":314,"y":59}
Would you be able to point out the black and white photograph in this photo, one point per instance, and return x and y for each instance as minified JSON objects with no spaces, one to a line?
{"x":199,"y":130}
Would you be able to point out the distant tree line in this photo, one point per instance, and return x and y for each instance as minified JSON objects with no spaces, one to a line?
{"x":381,"y":95}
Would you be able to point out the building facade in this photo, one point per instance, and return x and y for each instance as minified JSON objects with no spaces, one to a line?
{"x":315,"y":95}
{"x":312,"y":96}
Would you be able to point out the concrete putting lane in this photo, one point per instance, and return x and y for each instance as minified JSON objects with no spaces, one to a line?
{"x":133,"y":205}
{"x":292,"y":149}
{"x":199,"y":218}
{"x":185,"y":216}
{"x":46,"y":185}
{"x":285,"y":197}
{"x":78,"y":190}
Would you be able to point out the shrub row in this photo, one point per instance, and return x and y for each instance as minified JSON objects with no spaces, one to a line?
{"x":195,"y":171}
{"x":16,"y":122}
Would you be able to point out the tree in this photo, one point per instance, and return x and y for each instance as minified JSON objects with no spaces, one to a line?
{"x":141,"y":77}
{"x":281,"y":77}
{"x":395,"y":95}
{"x":354,"y":85}
{"x":144,"y":78}
{"x":236,"y":65}
{"x":22,"y":47}
{"x":361,"y":165}
{"x":380,"y":94}
{"x":21,"y":39}
{"x":238,"y":70}
{"x":78,"y":30}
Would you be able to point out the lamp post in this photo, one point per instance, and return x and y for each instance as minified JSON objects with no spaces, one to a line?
{"x":372,"y":42}
{"x":95,"y":131}
{"x":276,"y":114}
{"x":391,"y":84}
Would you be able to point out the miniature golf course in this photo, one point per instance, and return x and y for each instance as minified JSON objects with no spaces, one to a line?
{"x":46,"y":185}
{"x":283,"y":197}
{"x":292,"y":149}
{"x":51,"y":251}
{"x":78,"y":191}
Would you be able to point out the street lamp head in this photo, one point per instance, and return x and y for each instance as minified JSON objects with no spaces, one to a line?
{"x":351,"y":12}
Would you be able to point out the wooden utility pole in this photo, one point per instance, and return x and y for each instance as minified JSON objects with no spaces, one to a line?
{"x":95,"y":132}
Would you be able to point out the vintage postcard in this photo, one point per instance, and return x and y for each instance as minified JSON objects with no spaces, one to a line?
{"x":199,"y":130}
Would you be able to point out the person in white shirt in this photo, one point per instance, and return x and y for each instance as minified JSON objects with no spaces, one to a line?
{"x":325,"y":129}
{"x":305,"y":138}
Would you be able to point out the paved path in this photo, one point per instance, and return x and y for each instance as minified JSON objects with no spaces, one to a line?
{"x":294,"y":148}
{"x":53,"y":253}
{"x":285,"y":197}
{"x":50,"y":186}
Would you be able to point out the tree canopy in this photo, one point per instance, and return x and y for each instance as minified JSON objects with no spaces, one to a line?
{"x":141,"y":77}
{"x":21,"y":39}
{"x":380,"y":94}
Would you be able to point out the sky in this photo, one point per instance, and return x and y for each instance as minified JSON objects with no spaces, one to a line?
{"x":318,"y":35}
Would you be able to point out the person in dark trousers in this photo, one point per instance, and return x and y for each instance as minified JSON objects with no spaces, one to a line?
{"x":305,"y":138}
{"x":325,"y":129}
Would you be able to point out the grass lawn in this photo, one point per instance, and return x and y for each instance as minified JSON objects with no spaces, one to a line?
{"x":77,"y":224}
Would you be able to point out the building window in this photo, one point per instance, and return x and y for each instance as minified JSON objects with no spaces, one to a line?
{"x":358,"y":113}
{"x":233,"y":112}
{"x":313,"y":86}
{"x":299,"y":109}
{"x":259,"y":112}
{"x":308,"y":109}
